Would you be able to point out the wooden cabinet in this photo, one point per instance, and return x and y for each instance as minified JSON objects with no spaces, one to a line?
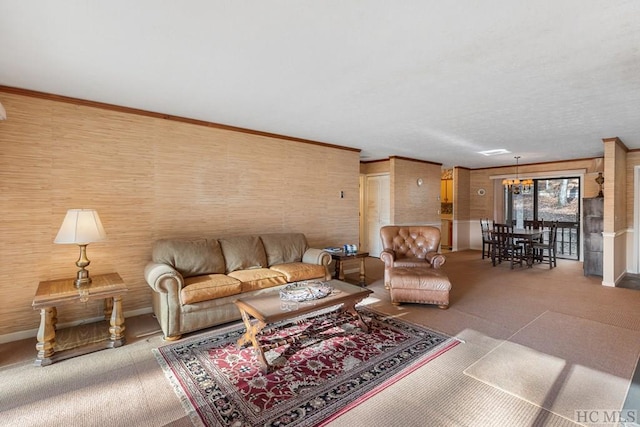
{"x":446,"y":233}
{"x":592,"y":223}
{"x":446,"y":191}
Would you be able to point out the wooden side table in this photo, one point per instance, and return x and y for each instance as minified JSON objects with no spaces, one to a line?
{"x":340,"y":257}
{"x":80,"y":339}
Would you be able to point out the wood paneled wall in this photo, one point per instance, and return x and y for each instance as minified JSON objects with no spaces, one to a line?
{"x":461,"y":195}
{"x":149,"y":178}
{"x":410,"y":203}
{"x":614,"y":242}
{"x":615,"y":184}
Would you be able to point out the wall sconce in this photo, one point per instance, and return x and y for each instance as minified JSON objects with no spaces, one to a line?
{"x":81,"y":227}
{"x":3,"y":112}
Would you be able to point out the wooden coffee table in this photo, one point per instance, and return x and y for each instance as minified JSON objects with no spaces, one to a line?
{"x":262,"y":310}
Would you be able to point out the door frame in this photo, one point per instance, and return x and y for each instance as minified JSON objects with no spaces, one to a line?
{"x":363,"y":204}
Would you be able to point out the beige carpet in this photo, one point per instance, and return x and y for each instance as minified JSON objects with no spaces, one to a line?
{"x":563,"y":363}
{"x":491,"y":307}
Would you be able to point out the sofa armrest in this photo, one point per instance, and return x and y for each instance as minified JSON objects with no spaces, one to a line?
{"x":316,"y":256}
{"x":437,"y":260}
{"x":162,"y":277}
{"x":388,"y":257}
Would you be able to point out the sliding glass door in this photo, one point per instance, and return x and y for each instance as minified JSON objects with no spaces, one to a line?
{"x":554,"y":199}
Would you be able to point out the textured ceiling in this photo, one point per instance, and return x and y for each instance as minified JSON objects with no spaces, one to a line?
{"x":432,"y":80}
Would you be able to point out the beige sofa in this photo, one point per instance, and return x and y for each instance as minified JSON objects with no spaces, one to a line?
{"x":196,"y":281}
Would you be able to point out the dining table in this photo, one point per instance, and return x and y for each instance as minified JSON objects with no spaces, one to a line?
{"x":528,"y":236}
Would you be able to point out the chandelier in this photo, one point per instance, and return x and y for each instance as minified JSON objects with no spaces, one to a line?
{"x":516,"y":186}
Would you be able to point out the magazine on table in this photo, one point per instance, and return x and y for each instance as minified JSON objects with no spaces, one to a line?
{"x":333,"y":249}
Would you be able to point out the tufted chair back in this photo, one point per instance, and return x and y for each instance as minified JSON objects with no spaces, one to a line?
{"x":414,"y":241}
{"x":408,"y":246}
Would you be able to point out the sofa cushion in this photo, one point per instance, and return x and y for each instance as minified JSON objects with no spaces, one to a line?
{"x":411,"y":262}
{"x":208,"y":287}
{"x":190,"y":257}
{"x":297,"y":271}
{"x":243,"y":252}
{"x":284,"y":247}
{"x":258,"y":278}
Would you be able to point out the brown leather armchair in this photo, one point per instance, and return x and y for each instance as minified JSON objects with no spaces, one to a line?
{"x":410,"y":246}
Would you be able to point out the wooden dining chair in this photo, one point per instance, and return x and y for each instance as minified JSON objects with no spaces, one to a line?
{"x":504,"y":246}
{"x":485,"y":226}
{"x":533,"y":224}
{"x":547,"y":249}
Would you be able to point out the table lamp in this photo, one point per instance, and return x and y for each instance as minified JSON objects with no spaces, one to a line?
{"x":81,"y":227}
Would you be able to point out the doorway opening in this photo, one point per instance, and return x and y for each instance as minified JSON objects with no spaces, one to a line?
{"x":375,"y":211}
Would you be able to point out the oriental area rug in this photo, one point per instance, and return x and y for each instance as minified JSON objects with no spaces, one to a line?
{"x":331,"y":368}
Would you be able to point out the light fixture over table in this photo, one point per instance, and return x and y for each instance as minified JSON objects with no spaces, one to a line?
{"x":515,"y":185}
{"x":81,"y":227}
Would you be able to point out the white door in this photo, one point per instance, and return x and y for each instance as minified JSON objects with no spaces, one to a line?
{"x":377,"y":211}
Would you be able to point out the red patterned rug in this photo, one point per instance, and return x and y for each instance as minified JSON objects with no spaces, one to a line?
{"x":333,"y":367}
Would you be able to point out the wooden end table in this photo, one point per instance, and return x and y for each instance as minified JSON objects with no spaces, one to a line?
{"x":81,"y":339}
{"x":341,"y":257}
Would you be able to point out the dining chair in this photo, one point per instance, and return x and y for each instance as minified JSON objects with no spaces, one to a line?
{"x":547,"y":249}
{"x":504,"y":246}
{"x":533,"y":224}
{"x":485,"y":226}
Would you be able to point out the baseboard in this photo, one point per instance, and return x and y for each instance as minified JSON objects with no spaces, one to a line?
{"x":31,"y":333}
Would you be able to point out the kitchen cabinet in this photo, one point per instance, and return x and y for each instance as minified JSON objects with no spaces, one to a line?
{"x":446,"y":191}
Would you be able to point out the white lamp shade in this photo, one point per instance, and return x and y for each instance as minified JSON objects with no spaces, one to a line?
{"x":81,"y":226}
{"x":3,"y":112}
